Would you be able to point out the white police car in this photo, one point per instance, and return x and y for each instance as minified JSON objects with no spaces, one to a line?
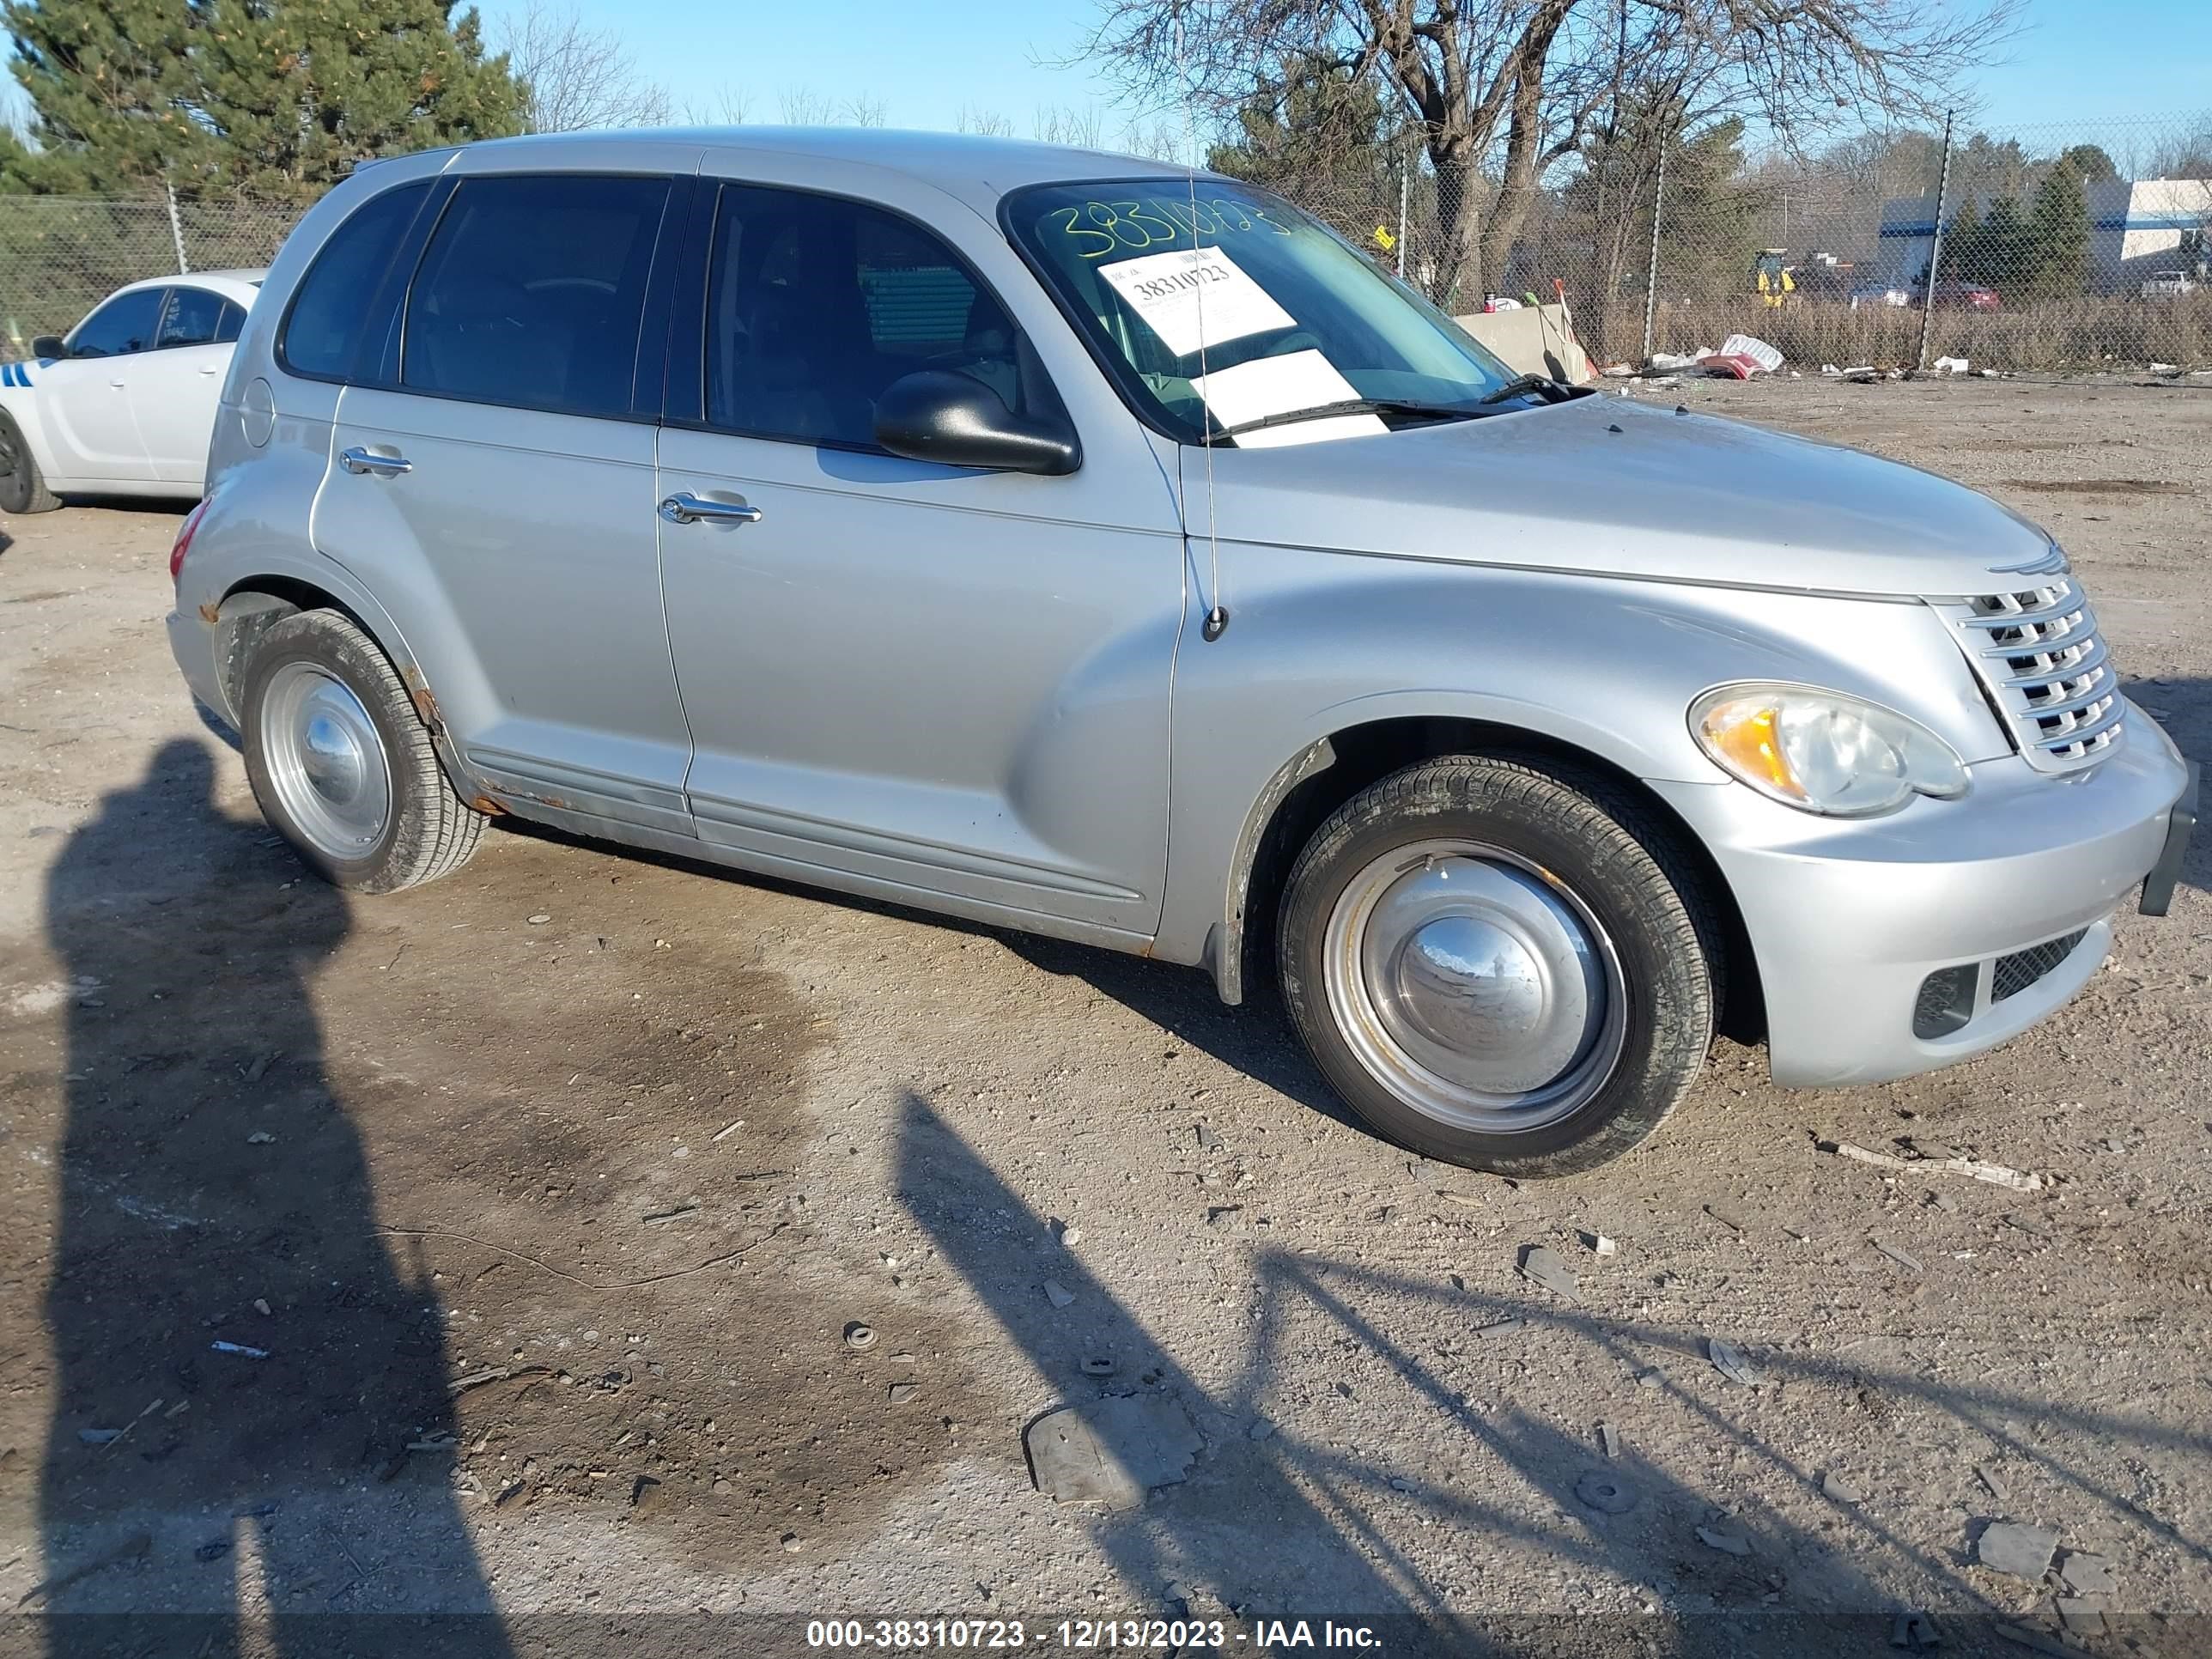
{"x":125,"y":405}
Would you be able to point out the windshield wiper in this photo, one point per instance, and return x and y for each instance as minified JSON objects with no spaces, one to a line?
{"x":1347,"y":406}
{"x":1522,"y":387}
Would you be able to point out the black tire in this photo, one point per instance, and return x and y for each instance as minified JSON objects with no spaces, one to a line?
{"x":1589,"y":838}
{"x":429,"y":831}
{"x":22,"y":486}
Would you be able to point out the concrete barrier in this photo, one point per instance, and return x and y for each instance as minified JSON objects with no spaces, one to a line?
{"x":1534,"y":340}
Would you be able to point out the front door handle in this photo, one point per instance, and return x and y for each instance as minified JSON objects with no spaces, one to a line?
{"x":357,"y":460}
{"x":684,"y":507}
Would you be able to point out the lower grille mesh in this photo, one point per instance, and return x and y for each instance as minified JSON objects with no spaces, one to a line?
{"x":2015,"y":973}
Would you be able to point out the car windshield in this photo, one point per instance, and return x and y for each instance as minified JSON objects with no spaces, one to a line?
{"x":1225,"y":314}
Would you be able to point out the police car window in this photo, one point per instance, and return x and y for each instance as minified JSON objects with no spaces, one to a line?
{"x":124,"y":324}
{"x":194,"y":318}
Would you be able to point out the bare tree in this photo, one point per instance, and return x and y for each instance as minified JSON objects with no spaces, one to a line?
{"x":1081,"y":128}
{"x":1500,"y":89}
{"x":988,"y":123}
{"x":575,"y":77}
{"x":730,"y":107}
{"x":803,"y":107}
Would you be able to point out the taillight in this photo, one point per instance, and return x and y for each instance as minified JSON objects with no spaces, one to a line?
{"x":184,"y":538}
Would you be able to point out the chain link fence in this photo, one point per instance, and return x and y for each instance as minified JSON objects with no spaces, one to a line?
{"x":2067,"y":245}
{"x":61,"y":255}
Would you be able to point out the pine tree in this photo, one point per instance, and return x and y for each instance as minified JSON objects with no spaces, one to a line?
{"x":111,"y":96}
{"x":299,"y":92}
{"x":276,"y":97}
{"x":2001,"y":248}
{"x":2058,"y":232}
{"x":1964,"y":254}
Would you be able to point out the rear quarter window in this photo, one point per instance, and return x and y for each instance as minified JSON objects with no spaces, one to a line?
{"x":329,"y":321}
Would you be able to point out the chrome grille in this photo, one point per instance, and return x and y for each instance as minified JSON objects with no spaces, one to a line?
{"x":2039,"y":657}
{"x":2015,"y":973}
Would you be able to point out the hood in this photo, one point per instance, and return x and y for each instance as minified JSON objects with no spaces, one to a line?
{"x":1610,"y":487}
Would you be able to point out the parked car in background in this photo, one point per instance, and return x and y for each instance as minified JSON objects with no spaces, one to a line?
{"x":1077,"y":545}
{"x":1880,"y":295}
{"x":126,"y":404}
{"x":1960,"y":296}
{"x":2168,"y":285}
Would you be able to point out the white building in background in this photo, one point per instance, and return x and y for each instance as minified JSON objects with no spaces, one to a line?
{"x":2135,"y":230}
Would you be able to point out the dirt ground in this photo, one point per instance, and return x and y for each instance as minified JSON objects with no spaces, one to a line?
{"x":541,"y":1199}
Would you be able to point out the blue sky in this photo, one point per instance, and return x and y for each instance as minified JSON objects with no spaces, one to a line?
{"x":926,"y":59}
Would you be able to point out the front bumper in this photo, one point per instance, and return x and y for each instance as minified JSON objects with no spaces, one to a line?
{"x":1848,"y":918}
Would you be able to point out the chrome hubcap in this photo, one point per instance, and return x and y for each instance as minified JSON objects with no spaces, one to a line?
{"x":326,"y":761}
{"x":1474,"y":986}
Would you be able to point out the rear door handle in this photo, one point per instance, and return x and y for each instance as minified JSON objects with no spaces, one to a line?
{"x":357,"y":460}
{"x":684,"y":507}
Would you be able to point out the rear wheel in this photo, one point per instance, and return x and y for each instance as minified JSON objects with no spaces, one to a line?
{"x":22,"y":486}
{"x":342,"y":764}
{"x":1498,"y":967}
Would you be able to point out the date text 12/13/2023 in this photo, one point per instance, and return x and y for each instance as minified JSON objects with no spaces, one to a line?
{"x":1085,"y":1635}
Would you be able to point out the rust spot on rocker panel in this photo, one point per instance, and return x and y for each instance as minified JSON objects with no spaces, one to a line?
{"x":489,"y":807}
{"x":208,"y":613}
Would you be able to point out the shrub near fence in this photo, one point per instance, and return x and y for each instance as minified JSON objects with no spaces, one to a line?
{"x":61,"y":255}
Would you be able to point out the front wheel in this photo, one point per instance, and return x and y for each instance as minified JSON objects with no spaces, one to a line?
{"x":22,"y":486}
{"x":1500,"y":966}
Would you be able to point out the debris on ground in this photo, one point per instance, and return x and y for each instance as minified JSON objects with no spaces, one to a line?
{"x":899,"y":1392}
{"x":1996,"y":1175}
{"x":1207,"y":1141}
{"x":662,"y":1217}
{"x":1767,"y":358}
{"x":1260,"y":1429}
{"x":1730,"y":1543}
{"x":1498,"y":1327}
{"x":2086,"y":1574}
{"x":1726,"y":1219}
{"x":1989,"y":1479}
{"x":99,"y":1436}
{"x":540,"y":919}
{"x":133,"y":1548}
{"x":1732,"y":1363}
{"x":1099,"y":1365}
{"x":1730,"y":365}
{"x":1669,"y":362}
{"x":1609,"y":1437}
{"x":2082,"y":1615}
{"x":1541,"y":1265}
{"x":2016,"y":1547}
{"x":1111,"y":1451}
{"x":1835,"y":1485}
{"x":1057,"y":1294}
{"x":1952,"y":365}
{"x":1911,"y":1263}
{"x":859,"y":1336}
{"x":1651,"y":1379}
{"x":1606,"y":1493}
{"x":1913,"y":1632}
{"x":214,"y":1550}
{"x":1599,"y":1245}
{"x":2036,"y":1639}
{"x":240,"y":1349}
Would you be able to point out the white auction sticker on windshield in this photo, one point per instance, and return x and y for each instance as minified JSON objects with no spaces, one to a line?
{"x":1283,"y":385}
{"x":1196,"y":296}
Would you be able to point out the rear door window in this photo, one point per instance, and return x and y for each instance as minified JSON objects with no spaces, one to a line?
{"x":124,"y":324}
{"x":533,"y":291}
{"x":329,"y":316}
{"x":194,"y":317}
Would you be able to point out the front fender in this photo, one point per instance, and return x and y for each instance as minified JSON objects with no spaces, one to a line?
{"x":1321,"y":643}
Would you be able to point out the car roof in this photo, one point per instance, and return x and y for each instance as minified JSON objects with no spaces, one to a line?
{"x":975,"y":168}
{"x":238,"y":282}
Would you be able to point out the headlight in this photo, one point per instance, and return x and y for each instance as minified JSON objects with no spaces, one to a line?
{"x":1821,"y":751}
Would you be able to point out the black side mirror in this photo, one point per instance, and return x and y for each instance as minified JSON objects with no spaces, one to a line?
{"x":49,"y":345}
{"x":934,"y":415}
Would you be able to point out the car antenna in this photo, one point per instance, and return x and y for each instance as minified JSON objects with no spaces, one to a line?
{"x":1217,"y":614}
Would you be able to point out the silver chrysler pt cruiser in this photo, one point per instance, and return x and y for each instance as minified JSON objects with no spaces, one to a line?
{"x":1077,"y":545}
